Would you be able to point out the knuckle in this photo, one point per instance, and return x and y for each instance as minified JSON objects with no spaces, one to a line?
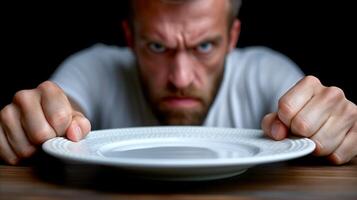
{"x":11,"y":160}
{"x":59,"y":118}
{"x":312,"y":80}
{"x":23,"y":96}
{"x":348,"y":113}
{"x":47,"y":86}
{"x":26,"y":152}
{"x":334,"y":93}
{"x":6,"y":113}
{"x":41,"y":134}
{"x":320,"y":150}
{"x":301,"y":127}
{"x":285,"y":108}
{"x":352,"y":108}
{"x":341,"y":159}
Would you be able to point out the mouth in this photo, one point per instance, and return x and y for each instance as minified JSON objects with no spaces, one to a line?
{"x":180,"y":102}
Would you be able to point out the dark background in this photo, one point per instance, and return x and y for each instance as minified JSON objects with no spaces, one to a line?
{"x":318,"y":35}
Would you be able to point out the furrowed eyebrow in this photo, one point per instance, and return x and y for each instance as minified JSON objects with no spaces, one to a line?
{"x":214,"y":39}
{"x":157,"y":37}
{"x":152,"y":39}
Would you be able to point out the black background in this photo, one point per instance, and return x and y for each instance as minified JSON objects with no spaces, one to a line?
{"x":36,"y":38}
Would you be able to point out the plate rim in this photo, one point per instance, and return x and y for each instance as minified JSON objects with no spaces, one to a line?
{"x":222,"y":162}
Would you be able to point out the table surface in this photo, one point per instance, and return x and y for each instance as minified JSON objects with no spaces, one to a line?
{"x":44,"y":177}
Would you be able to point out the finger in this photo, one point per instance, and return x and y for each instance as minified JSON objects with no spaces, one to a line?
{"x":347,"y":149}
{"x":6,"y":152}
{"x":314,"y":114}
{"x":56,"y":107}
{"x":33,"y":120}
{"x":273,"y":127}
{"x":333,"y":132}
{"x":10,"y":118}
{"x":295,"y":99}
{"x":79,"y":127}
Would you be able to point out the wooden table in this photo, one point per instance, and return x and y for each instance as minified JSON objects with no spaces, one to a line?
{"x":43,"y":177}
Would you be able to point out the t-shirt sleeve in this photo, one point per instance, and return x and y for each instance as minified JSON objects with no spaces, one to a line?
{"x":279,"y":74}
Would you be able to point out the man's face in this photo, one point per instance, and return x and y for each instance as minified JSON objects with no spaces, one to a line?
{"x":180,"y":49}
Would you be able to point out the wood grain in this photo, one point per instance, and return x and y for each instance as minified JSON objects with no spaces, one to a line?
{"x":305,"y":178}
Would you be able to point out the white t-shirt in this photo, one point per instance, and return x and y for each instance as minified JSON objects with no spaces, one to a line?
{"x":103,"y":80}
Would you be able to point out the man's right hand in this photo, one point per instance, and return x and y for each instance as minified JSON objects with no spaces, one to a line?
{"x":35,"y":116}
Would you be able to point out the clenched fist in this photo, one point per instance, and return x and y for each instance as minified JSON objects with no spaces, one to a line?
{"x":323,"y":114}
{"x":35,"y":116}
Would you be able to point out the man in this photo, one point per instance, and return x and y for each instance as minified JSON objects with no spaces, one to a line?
{"x":182,"y":69}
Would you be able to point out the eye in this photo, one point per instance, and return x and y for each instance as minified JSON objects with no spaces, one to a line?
{"x":205,"y":47}
{"x":156,"y":47}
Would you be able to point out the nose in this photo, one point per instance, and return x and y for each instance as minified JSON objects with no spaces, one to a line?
{"x":182,"y":70}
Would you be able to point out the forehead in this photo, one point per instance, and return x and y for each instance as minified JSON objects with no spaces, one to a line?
{"x":180,"y":15}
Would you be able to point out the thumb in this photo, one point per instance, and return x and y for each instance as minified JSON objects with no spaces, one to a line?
{"x":79,"y":127}
{"x":273,"y":127}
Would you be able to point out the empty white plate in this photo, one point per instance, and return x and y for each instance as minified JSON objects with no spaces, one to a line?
{"x":179,"y":152}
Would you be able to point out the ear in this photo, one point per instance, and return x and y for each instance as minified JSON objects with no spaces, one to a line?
{"x":234,"y":34}
{"x":129,"y":38}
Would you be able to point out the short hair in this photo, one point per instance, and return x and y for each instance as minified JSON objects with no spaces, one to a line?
{"x":234,"y":8}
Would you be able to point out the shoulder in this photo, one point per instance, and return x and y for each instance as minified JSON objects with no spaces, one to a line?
{"x":102,"y":53}
{"x":97,"y":60}
{"x":258,"y":55}
{"x":262,"y":69}
{"x":262,"y":61}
